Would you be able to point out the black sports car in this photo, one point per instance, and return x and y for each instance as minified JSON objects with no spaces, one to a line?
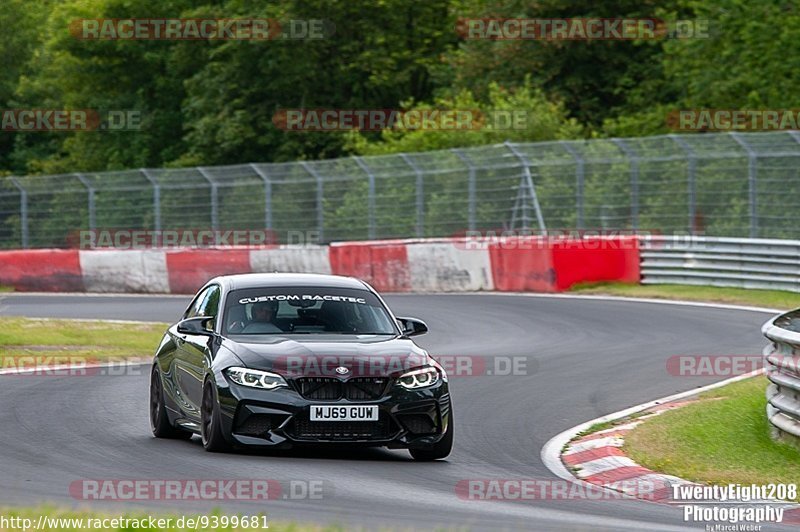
{"x":282,"y":360}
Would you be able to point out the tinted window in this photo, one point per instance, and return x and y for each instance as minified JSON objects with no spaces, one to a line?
{"x":194,"y":308}
{"x":299,"y":310}
{"x":210,"y":304}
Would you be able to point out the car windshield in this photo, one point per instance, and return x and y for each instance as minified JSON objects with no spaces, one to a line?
{"x":305,"y":310}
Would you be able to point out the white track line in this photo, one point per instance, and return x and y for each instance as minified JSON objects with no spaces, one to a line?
{"x":679,"y":302}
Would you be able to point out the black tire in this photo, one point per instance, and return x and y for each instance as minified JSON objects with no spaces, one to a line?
{"x":440,"y":449}
{"x":159,"y":421}
{"x":210,"y":425}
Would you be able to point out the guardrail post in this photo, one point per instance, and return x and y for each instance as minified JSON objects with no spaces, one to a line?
{"x":23,"y":212}
{"x":156,"y":198}
{"x":527,"y":184}
{"x":320,"y":191}
{"x":91,"y":200}
{"x":370,"y":197}
{"x":267,"y":194}
{"x":633,"y":159}
{"x":752,"y":168}
{"x":691,"y":176}
{"x":420,"y":191}
{"x":580,"y":178}
{"x":471,"y":202}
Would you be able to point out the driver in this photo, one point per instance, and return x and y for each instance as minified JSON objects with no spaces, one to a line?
{"x":263,"y":313}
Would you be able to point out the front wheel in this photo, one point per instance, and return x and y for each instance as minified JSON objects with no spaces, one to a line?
{"x":211,"y":427}
{"x":440,"y":449}
{"x":159,"y":421}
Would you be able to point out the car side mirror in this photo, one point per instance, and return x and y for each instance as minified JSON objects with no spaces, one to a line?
{"x":200,"y":325}
{"x":412,"y":326}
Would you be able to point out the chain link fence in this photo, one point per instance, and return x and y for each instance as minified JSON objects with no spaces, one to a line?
{"x":727,"y":184}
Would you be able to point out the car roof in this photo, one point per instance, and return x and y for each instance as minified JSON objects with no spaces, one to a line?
{"x":265,"y":280}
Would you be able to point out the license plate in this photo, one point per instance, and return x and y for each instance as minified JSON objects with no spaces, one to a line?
{"x":344,"y":413}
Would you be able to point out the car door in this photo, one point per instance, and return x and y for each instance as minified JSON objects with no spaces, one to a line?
{"x":183,"y":375}
{"x":196,"y":353}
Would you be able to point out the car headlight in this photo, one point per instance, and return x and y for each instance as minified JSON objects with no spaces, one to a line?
{"x":419,"y":378}
{"x":255,"y":378}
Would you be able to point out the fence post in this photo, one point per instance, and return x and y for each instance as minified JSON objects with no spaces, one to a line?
{"x":267,"y":194}
{"x":370,"y":197}
{"x":580,"y":178}
{"x":471,"y":202}
{"x":214,"y":197}
{"x":320,"y":191}
{"x":23,"y":212}
{"x":691,"y":177}
{"x":527,"y":183}
{"x":420,"y":198}
{"x":156,"y":198}
{"x":752,"y":168}
{"x":633,"y":159}
{"x":91,"y":200}
{"x":420,"y":190}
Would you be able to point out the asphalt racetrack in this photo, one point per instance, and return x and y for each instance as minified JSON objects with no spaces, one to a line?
{"x":585,"y":358}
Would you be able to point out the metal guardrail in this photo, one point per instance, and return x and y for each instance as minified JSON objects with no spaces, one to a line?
{"x":745,"y":263}
{"x":782,"y":366}
{"x":735,"y":262}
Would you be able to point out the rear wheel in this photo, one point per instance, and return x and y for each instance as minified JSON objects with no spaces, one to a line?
{"x":440,"y":449}
{"x":211,"y":428}
{"x":159,"y":421}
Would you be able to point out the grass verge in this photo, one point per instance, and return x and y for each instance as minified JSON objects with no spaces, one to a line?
{"x":74,"y":520}
{"x":77,"y":338}
{"x":722,"y":438}
{"x":739,"y":296}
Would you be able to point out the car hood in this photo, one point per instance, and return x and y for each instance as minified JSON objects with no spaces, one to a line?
{"x":323,"y":355}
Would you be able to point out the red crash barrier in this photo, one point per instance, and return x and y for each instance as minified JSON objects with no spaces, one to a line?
{"x":43,"y":270}
{"x":535,"y":264}
{"x":189,"y":270}
{"x":383,"y":265}
{"x":595,"y":259}
{"x":522,"y":265}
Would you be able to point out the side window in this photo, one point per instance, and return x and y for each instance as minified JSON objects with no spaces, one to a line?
{"x":210,"y":304}
{"x":194,"y":309}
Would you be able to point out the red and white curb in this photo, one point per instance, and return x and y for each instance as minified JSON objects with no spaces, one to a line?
{"x":596,"y":460}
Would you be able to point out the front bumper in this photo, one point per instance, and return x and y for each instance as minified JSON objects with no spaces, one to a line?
{"x":279,"y":419}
